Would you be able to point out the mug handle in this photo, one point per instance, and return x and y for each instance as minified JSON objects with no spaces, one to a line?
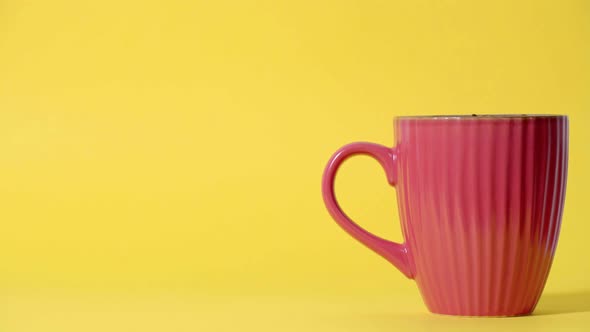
{"x":395,"y":253}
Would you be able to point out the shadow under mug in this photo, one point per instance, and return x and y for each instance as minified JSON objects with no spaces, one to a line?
{"x":480,"y":202}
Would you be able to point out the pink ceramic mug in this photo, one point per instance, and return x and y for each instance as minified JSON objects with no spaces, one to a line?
{"x":480,"y":201}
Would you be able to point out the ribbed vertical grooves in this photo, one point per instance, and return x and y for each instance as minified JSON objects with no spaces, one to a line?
{"x":431,"y":212}
{"x":563,"y":181}
{"x":514,"y":217}
{"x":550,"y":237}
{"x":502,"y":162}
{"x":545,"y":217}
{"x":528,"y":241}
{"x":454,"y":223}
{"x":426,"y":269}
{"x":554,"y":206}
{"x":539,"y":196}
{"x":467,"y":161}
{"x":483,"y":203}
{"x":474,"y":245}
{"x":525,"y":216}
{"x":444,"y":234}
{"x":491,"y":203}
{"x":439,"y":195}
{"x":529,"y":188}
{"x":508,"y":221}
{"x":539,"y":207}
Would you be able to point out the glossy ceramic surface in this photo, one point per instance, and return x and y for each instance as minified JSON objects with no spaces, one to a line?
{"x":480,"y":201}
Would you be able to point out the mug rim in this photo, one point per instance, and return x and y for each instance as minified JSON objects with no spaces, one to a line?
{"x":479,"y":117}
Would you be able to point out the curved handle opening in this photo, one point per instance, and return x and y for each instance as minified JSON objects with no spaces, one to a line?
{"x":395,"y":253}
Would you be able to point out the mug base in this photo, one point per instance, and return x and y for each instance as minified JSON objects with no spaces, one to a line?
{"x":482,"y":315}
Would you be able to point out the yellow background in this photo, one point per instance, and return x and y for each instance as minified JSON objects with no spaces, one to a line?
{"x":160,"y":161}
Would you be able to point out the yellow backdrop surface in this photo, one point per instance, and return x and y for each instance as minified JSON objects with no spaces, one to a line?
{"x":169,"y":153}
